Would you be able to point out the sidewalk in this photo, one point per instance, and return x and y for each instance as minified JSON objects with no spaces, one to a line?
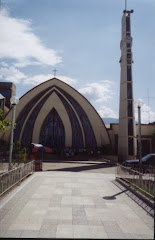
{"x":66,"y":204}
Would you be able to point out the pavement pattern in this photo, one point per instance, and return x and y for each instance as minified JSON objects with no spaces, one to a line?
{"x":74,"y":203}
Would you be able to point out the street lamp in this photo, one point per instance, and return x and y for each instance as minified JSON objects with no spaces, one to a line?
{"x":14,"y":101}
{"x":139,"y":105}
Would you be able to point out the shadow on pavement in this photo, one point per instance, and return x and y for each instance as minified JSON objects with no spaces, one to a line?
{"x":84,"y":168}
{"x":132,"y":194}
{"x":113,"y":197}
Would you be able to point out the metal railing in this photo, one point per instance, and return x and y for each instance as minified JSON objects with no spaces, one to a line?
{"x":144,"y":182}
{"x":10,"y":178}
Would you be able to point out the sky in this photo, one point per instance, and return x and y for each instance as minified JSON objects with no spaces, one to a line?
{"x":81,"y":40}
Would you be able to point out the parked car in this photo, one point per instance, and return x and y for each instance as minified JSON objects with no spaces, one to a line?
{"x":148,"y":161}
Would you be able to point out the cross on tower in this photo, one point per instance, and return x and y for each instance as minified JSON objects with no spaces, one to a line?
{"x":55,"y":70}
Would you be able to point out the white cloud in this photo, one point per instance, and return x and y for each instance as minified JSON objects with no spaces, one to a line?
{"x":67,"y":80}
{"x":18,"y":42}
{"x":37,"y":79}
{"x":11,"y":74}
{"x":147,"y":114}
{"x":106,"y":112}
{"x":98,"y":91}
{"x":3,"y":64}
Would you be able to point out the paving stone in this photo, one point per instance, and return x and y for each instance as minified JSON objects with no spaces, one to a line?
{"x":94,"y":222}
{"x":112,"y":227}
{"x":55,"y":204}
{"x":29,"y":234}
{"x":12,"y":234}
{"x":79,"y":222}
{"x":65,"y":222}
{"x":48,"y":227}
{"x":98,"y":232}
{"x":79,"y":213}
{"x":50,"y":221}
{"x":116,"y":235}
{"x":64,"y":234}
{"x":61,"y":227}
{"x":78,"y":217}
{"x":2,"y":232}
{"x":76,"y":192}
{"x":133,"y":236}
{"x":81,"y":231}
{"x":77,"y":208}
{"x":148,"y":236}
{"x":46,"y":234}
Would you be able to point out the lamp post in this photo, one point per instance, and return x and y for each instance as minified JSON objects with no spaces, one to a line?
{"x":139,"y":105}
{"x":14,"y":101}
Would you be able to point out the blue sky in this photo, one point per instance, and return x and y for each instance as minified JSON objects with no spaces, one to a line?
{"x":81,"y":39}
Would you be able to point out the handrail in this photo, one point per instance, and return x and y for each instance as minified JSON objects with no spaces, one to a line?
{"x":144,"y":182}
{"x":10,"y":178}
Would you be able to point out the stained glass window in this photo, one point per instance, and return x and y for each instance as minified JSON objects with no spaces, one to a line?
{"x":77,"y":139}
{"x":52,"y":131}
{"x":88,"y":131}
{"x":28,"y":130}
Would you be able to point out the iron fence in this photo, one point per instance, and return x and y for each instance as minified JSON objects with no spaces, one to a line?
{"x":144,"y":182}
{"x":10,"y":178}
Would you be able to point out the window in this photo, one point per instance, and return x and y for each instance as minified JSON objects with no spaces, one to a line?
{"x":129,"y":55}
{"x":129,"y":78}
{"x":130,"y":108}
{"x":128,"y":24}
{"x":128,"y":45}
{"x":130,"y":146}
{"x":129,"y":90}
{"x":130,"y":126}
{"x":128,"y":61}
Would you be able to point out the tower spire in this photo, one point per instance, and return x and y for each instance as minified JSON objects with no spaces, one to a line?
{"x":127,"y":127}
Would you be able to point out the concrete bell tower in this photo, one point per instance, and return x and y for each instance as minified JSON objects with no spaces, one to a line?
{"x":127,"y":127}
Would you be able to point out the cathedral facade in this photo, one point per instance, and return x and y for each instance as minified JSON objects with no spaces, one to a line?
{"x":56,"y":115}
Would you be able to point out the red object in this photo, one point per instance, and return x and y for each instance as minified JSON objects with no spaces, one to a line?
{"x":42,"y":149}
{"x":38,"y":165}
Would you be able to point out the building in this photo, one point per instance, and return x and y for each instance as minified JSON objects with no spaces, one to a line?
{"x":147,"y":139}
{"x":7,"y":90}
{"x":56,"y":115}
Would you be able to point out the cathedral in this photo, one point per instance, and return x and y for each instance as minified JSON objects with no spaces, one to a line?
{"x":56,"y":115}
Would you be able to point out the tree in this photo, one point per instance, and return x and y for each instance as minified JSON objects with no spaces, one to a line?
{"x":18,"y":154}
{"x":4,"y":124}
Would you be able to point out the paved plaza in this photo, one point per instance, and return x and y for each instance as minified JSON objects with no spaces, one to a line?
{"x":74,"y":200}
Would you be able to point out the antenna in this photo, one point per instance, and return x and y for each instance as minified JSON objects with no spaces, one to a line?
{"x":148,"y":106}
{"x":125,"y":4}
